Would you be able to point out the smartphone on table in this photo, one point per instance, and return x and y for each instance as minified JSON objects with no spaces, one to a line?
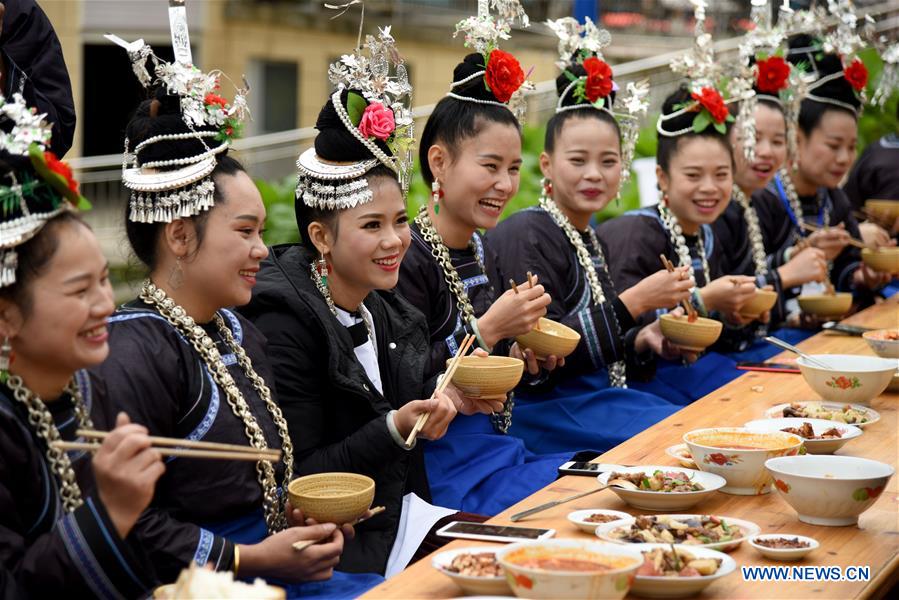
{"x":493,"y":533}
{"x":768,"y":367}
{"x":580,"y":467}
{"x":847,"y":329}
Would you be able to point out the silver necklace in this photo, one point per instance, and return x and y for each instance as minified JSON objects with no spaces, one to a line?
{"x":754,"y":230}
{"x":676,"y":235}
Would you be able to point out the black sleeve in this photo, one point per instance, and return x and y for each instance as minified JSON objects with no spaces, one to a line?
{"x":142,"y":377}
{"x":300,"y":367}
{"x":31,"y":44}
{"x":846,"y":263}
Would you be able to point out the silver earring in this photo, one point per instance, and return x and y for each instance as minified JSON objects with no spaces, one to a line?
{"x":436,"y":195}
{"x":176,"y":276}
{"x":5,"y":359}
{"x":320,"y":278}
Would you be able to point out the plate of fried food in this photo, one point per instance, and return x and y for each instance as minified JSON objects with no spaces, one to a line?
{"x":851,"y":414}
{"x":707,"y":531}
{"x":474,"y":569}
{"x":678,"y":571}
{"x":821,"y":436}
{"x":661,"y":487}
{"x":591,"y":518}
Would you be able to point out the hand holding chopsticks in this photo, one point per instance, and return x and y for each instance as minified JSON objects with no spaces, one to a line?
{"x":447,"y":378}
{"x":691,"y":312}
{"x":302,"y":545}
{"x":851,"y":240}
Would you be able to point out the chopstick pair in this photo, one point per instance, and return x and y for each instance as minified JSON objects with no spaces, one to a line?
{"x":852,"y":240}
{"x":531,"y":286}
{"x":303,"y":544}
{"x":178,"y":447}
{"x":692,"y":315}
{"x":447,"y":378}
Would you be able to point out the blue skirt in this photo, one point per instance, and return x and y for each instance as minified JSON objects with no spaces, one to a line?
{"x":251,"y":529}
{"x":682,"y":384}
{"x":474,"y":469}
{"x":585,"y":413}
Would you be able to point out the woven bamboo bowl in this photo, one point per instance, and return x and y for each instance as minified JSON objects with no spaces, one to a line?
{"x":885,"y":260}
{"x":755,"y":306}
{"x":487,"y":376}
{"x":695,"y":336}
{"x":826,"y":305}
{"x":552,"y":339}
{"x":332,"y":497}
{"x":888,"y":210}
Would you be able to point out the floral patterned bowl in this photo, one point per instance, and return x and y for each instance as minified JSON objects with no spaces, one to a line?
{"x":851,"y":378}
{"x":739,"y":455}
{"x":554,"y":579}
{"x":829,"y":490}
{"x":884,"y":342}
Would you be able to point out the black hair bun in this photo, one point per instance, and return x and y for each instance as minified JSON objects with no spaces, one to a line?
{"x":334,"y":142}
{"x":161,"y":115}
{"x":474,"y":88}
{"x":805,"y":51}
{"x":562,"y":83}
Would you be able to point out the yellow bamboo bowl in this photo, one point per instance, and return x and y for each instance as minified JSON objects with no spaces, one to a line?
{"x":487,"y":376}
{"x":695,"y":336}
{"x":885,"y":260}
{"x":755,"y":306}
{"x":826,"y":305}
{"x":332,"y":497}
{"x":552,"y":339}
{"x":885,"y":209}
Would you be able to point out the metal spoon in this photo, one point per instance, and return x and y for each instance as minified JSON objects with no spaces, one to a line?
{"x":532,"y":511}
{"x":787,"y":346}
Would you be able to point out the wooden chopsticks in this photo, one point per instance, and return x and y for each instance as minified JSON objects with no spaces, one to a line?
{"x":447,"y":378}
{"x":180,"y":447}
{"x":531,"y":285}
{"x":692,"y":315}
{"x":302,"y":545}
{"x":852,"y":241}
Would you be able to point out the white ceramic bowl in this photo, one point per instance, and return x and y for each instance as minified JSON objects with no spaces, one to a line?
{"x":819,"y":426}
{"x":527,"y":582}
{"x":850,"y":379}
{"x":579,"y":517}
{"x":496,"y":586}
{"x":739,"y":456}
{"x":871,"y":416}
{"x":680,"y":587}
{"x":784,"y":554}
{"x":681,"y":453}
{"x":666,"y":501}
{"x":882,"y":347}
{"x":829,"y":490}
{"x":748,"y":529}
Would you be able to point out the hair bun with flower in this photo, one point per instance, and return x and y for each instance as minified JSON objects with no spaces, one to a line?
{"x":586,"y":82}
{"x":490,"y":75}
{"x":179,"y":185}
{"x":36,"y":186}
{"x":366,"y":122}
{"x":707,"y":106}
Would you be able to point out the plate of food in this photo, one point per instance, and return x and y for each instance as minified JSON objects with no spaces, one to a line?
{"x":589,"y":519}
{"x":706,"y":531}
{"x":196,"y":583}
{"x":663,"y":487}
{"x":474,"y":569}
{"x":678,"y":571}
{"x":821,"y":436}
{"x":681,"y":453}
{"x":851,"y":414}
{"x":783,"y":546}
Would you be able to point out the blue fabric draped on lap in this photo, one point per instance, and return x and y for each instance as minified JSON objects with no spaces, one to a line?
{"x":474,"y":469}
{"x":682,"y":384}
{"x":584,"y":412}
{"x":251,"y":529}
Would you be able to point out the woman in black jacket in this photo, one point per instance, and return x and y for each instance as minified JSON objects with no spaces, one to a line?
{"x":349,"y":356}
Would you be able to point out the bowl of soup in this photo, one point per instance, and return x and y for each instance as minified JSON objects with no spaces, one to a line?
{"x":826,"y":305}
{"x":739,"y":454}
{"x":761,"y":302}
{"x":885,"y":260}
{"x":695,"y":336}
{"x":487,"y":376}
{"x":551,"y":339}
{"x":829,"y":489}
{"x":569,"y":568}
{"x":850,"y":378}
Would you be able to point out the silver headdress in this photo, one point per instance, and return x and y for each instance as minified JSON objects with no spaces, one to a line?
{"x":582,"y":45}
{"x":889,"y":76}
{"x":28,"y":202}
{"x":703,"y":73}
{"x":482,"y":34}
{"x":165,"y":190}
{"x":378,"y":109}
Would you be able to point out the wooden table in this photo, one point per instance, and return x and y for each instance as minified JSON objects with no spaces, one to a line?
{"x":875,"y":542}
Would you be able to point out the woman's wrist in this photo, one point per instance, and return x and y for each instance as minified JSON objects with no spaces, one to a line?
{"x":633,"y":301}
{"x":486,"y":330}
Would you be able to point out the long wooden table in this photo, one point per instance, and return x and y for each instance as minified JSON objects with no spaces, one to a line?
{"x":874,"y":542}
